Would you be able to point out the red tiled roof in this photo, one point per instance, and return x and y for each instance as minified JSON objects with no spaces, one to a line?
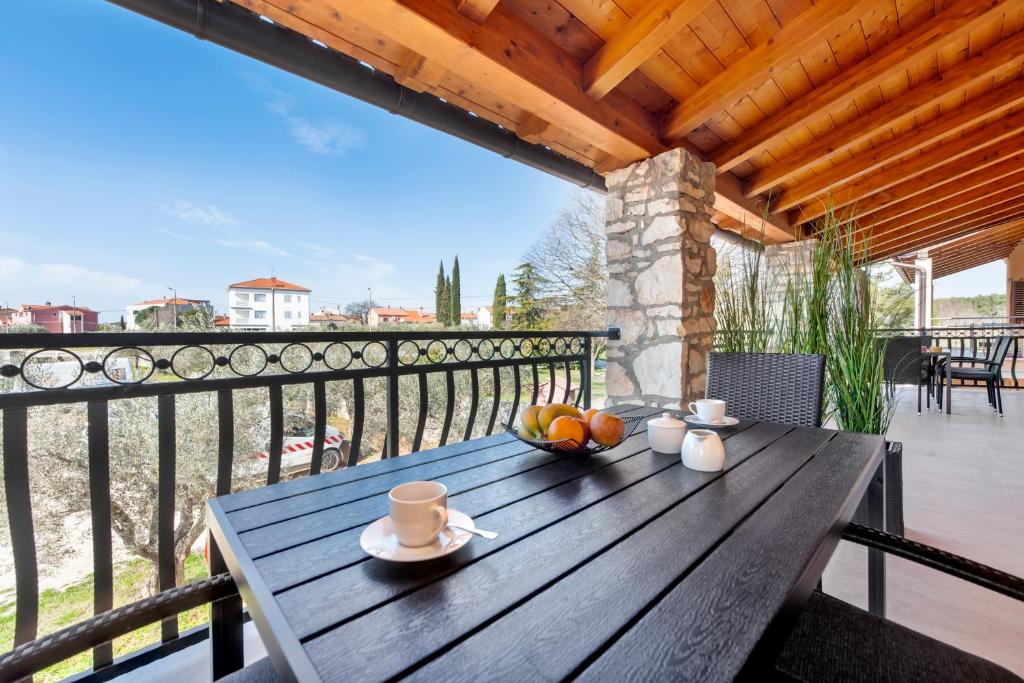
{"x":221,"y":321}
{"x":397,"y":312}
{"x":469,"y":316}
{"x":328,"y":316}
{"x":169,"y":301}
{"x":270,"y":283}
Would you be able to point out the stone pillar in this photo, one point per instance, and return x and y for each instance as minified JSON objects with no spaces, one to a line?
{"x":660,"y":289}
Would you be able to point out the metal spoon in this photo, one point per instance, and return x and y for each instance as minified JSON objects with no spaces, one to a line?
{"x":489,"y":535}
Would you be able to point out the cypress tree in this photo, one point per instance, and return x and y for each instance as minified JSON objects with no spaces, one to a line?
{"x":445,"y":315}
{"x":439,"y":309}
{"x":456,"y":296}
{"x":498,"y":308}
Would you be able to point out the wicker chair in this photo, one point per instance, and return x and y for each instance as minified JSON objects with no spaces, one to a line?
{"x":903,"y":363}
{"x":833,"y":640}
{"x":988,"y":369}
{"x":774,"y":387}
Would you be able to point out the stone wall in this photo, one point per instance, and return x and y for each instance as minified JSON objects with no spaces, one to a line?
{"x":660,"y":289}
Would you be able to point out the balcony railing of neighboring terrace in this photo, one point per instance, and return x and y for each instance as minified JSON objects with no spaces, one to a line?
{"x":400,"y":391}
{"x":967,"y":340}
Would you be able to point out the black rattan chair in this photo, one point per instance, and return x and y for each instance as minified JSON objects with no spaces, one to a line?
{"x":903,"y":363}
{"x":779,"y":387}
{"x":833,"y":640}
{"x":774,"y":387}
{"x":988,"y":369}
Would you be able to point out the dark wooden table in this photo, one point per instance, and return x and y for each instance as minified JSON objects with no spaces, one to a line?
{"x":620,"y":565}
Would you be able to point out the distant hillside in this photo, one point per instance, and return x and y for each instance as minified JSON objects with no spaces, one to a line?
{"x":981,"y":306}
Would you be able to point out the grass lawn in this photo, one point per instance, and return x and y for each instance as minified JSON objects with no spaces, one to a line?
{"x":63,"y":607}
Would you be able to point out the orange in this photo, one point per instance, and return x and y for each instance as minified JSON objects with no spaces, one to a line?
{"x":607,"y":429}
{"x":589,"y":413}
{"x":566,"y":428}
{"x":551,"y":411}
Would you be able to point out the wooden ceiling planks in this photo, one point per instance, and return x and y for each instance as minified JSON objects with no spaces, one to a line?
{"x":976,"y":249}
{"x":884,"y":104}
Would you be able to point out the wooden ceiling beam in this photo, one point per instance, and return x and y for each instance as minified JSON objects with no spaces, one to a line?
{"x":729,"y":200}
{"x":1011,"y":199}
{"x":416,"y":73}
{"x":992,"y":103}
{"x":966,"y":74}
{"x":975,"y":169}
{"x":946,"y":28}
{"x":508,"y":56}
{"x":643,"y":35}
{"x":906,"y":244}
{"x":808,"y":30}
{"x":990,"y":137}
{"x":929,"y":203}
{"x":477,"y":10}
{"x":929,"y":240}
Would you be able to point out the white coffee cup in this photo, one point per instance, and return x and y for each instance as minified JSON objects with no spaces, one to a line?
{"x":708,"y":409}
{"x":419,"y":512}
{"x":703,"y":451}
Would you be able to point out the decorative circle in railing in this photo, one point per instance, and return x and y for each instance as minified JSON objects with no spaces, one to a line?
{"x":575,"y":346}
{"x":374,"y":354}
{"x":41,"y":374}
{"x":462,"y":350}
{"x":561,"y":346}
{"x":507,"y":348}
{"x":248,"y":360}
{"x":543,"y":347}
{"x":437,"y":352}
{"x":409,"y":352}
{"x":133,"y":356}
{"x":193,"y":362}
{"x":526,"y":347}
{"x":338,"y":356}
{"x":296,"y":358}
{"x":485,"y":349}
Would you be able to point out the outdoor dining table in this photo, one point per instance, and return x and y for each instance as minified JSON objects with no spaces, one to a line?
{"x":623,"y":564}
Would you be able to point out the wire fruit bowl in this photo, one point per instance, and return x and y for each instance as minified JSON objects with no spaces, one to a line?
{"x":571,"y":447}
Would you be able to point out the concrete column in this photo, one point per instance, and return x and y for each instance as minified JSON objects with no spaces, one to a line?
{"x":660,"y":289}
{"x":923,"y":290}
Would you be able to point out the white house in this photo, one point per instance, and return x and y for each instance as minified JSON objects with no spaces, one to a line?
{"x":267,"y":304}
{"x":167,"y":308}
{"x":485,"y":317}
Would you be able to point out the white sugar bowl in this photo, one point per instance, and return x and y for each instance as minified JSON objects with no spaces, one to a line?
{"x":703,"y":451}
{"x":665,"y":433}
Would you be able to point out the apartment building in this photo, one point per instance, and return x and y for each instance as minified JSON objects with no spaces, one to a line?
{"x":268,"y":304}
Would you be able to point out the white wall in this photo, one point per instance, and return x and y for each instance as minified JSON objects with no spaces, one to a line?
{"x":263,"y":309}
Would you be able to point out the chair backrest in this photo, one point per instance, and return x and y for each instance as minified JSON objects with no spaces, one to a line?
{"x":1002,"y":347}
{"x":776,"y":387}
{"x":902,"y":362}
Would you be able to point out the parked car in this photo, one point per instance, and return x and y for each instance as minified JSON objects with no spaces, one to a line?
{"x":297,"y":446}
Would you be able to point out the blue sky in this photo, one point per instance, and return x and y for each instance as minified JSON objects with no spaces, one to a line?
{"x":134,"y":157}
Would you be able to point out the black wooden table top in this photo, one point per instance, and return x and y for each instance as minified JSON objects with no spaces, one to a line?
{"x":623,"y":565}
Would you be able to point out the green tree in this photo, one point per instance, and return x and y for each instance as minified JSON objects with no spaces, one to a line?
{"x":439,"y":307}
{"x":444,"y":314}
{"x":528,"y":284}
{"x":499,"y":308}
{"x":455,"y":295}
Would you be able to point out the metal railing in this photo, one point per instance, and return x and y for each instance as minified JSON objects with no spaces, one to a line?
{"x":962,"y":340}
{"x":974,"y":341}
{"x":100,"y":370}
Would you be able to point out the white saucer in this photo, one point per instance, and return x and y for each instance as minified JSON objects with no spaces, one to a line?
{"x":724,"y":422}
{"x":379,"y":540}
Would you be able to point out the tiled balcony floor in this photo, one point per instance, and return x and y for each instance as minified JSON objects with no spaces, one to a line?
{"x":963,"y":492}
